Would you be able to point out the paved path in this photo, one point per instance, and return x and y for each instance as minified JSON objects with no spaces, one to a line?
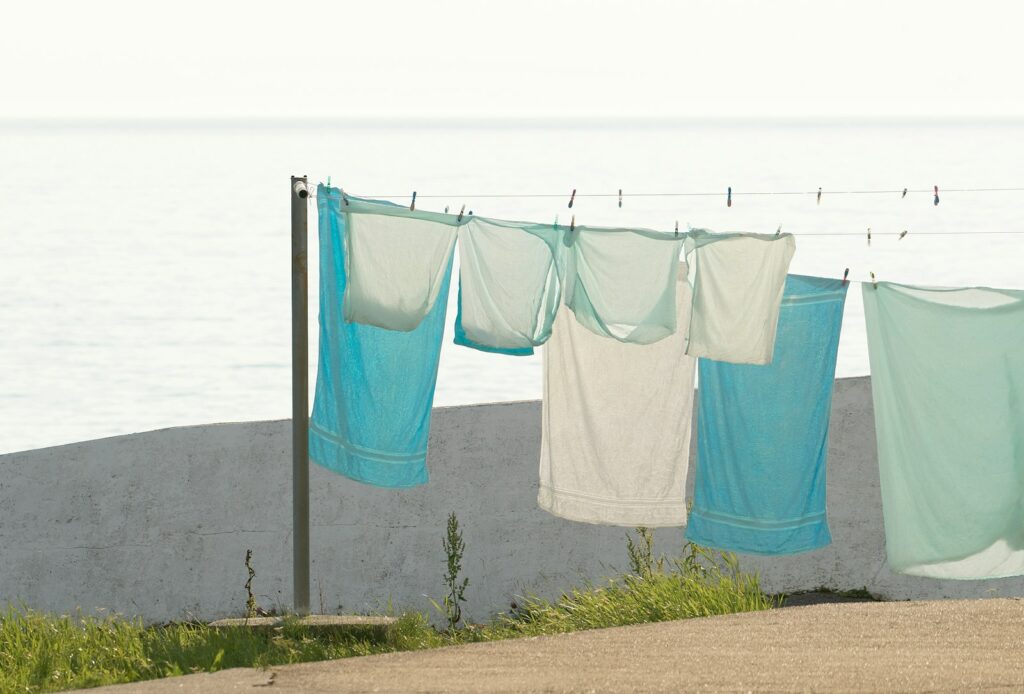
{"x":893,"y":646}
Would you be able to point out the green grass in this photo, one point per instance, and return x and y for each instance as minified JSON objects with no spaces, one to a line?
{"x":41,"y":653}
{"x":700,"y":584}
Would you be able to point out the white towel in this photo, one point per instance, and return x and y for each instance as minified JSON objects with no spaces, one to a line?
{"x":616,"y":424}
{"x":738,"y":280}
{"x":396,"y":261}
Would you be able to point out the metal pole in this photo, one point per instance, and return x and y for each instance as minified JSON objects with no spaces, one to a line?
{"x":300,"y":398}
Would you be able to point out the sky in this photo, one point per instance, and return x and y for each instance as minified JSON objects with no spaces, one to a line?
{"x":523,"y":59}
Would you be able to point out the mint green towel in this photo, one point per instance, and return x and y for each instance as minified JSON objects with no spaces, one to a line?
{"x":947,"y":371}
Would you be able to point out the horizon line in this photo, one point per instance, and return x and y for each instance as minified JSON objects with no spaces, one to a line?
{"x":368,"y":122}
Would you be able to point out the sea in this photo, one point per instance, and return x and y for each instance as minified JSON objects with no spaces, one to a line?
{"x":145,"y":265}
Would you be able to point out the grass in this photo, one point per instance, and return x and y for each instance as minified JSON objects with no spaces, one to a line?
{"x":700,"y":584}
{"x":42,"y":653}
{"x":45,"y":653}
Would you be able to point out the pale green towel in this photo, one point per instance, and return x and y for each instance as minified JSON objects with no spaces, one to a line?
{"x":947,"y":371}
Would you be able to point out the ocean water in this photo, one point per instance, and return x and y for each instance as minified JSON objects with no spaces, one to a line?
{"x":144,"y":267}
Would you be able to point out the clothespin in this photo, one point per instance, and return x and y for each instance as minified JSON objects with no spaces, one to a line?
{"x":572,"y":224}
{"x":620,"y":197}
{"x":873,"y":280}
{"x":446,"y":209}
{"x":819,"y":195}
{"x":555,"y":225}
{"x":936,"y":195}
{"x":902,"y":234}
{"x":471,"y":213}
{"x":846,"y":273}
{"x":728,"y":197}
{"x":677,"y":229}
{"x":412,"y":206}
{"x":328,"y":181}
{"x":344,"y":198}
{"x":904,"y":194}
{"x":572,"y":198}
{"x":461,"y":213}
{"x":778,"y":232}
{"x":869,"y":236}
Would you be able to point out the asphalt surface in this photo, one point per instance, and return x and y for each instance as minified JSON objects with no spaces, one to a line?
{"x":949,"y":645}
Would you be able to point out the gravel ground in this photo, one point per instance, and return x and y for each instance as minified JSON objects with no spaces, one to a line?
{"x":950,"y":645}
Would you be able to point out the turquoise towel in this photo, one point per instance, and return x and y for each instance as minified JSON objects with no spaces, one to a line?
{"x":374,"y":387}
{"x":762,"y":433}
{"x":947,"y":379}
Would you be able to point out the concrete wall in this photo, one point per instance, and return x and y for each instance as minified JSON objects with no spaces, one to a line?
{"x":157,"y":524}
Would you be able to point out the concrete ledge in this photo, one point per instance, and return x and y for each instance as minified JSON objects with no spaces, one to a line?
{"x":356,"y":625}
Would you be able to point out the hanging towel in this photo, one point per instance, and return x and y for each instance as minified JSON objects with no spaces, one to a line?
{"x":738,"y":280}
{"x":762,"y":433}
{"x":947,"y":379}
{"x":509,"y":287}
{"x":621,"y":283}
{"x":374,"y":387}
{"x":397,"y":262}
{"x":616,"y":425}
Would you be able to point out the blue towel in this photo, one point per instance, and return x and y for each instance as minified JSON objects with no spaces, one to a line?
{"x":374,"y":387}
{"x":763,"y":433}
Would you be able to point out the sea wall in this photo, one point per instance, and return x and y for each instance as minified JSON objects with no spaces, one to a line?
{"x":157,"y":524}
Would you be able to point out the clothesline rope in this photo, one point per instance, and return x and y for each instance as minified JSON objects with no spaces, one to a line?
{"x":735,"y":193}
{"x":729,"y":193}
{"x":897,"y":233}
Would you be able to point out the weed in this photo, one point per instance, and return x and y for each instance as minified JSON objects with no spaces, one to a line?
{"x":454,"y":548}
{"x":250,"y":602}
{"x":641,"y":554}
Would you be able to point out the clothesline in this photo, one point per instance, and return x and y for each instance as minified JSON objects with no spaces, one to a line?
{"x":725,"y":193}
{"x":729,"y":193}
{"x":898,"y":233}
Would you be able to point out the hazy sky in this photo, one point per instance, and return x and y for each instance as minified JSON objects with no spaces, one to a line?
{"x":468,"y":58}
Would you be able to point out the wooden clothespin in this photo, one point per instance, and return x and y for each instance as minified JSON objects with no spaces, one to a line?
{"x":904,"y":194}
{"x":902,"y":234}
{"x":620,"y":197}
{"x":412,"y":206}
{"x":677,"y":229}
{"x":874,"y":282}
{"x":869,"y":236}
{"x":778,"y":232}
{"x":446,"y":209}
{"x":819,"y":195}
{"x":572,"y":198}
{"x":461,"y":212}
{"x":936,"y":195}
{"x":728,"y":197}
{"x":846,"y":273}
{"x":572,"y":224}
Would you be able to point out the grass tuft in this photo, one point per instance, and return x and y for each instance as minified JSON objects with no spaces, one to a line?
{"x":701,"y":583}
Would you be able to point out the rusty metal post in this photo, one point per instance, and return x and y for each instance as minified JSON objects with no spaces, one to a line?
{"x":300,"y":396}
